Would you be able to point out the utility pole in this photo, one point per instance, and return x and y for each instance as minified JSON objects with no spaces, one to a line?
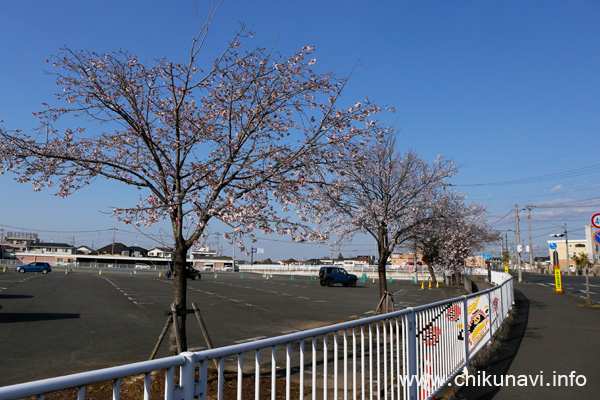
{"x":113,"y":248}
{"x":520,"y":273}
{"x":528,"y":207}
{"x":567,"y":247}
{"x":506,"y":245}
{"x":112,"y":251}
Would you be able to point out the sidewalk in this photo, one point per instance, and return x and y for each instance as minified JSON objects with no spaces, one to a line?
{"x":552,"y":335}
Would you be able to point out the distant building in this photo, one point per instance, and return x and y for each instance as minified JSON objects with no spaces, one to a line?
{"x":160,"y":252}
{"x":289,"y":261}
{"x":575,"y":247}
{"x":57,"y":248}
{"x":18,"y":241}
{"x":119,"y":249}
{"x":86,"y":250}
{"x":53,"y":253}
{"x":398,"y":260}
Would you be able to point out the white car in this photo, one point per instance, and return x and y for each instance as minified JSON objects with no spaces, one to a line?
{"x":142,"y":266}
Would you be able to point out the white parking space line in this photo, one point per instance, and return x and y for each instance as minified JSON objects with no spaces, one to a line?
{"x":249,"y":339}
{"x":585,"y":291}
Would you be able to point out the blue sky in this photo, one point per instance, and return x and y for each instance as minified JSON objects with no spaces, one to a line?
{"x":508,"y":90}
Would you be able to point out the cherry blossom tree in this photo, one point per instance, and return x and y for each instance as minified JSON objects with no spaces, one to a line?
{"x":227,"y":140}
{"x":383,"y":194}
{"x":450,"y":240}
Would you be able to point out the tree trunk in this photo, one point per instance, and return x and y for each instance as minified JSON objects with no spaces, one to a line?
{"x":179,"y":298}
{"x":457,"y":277}
{"x":383,"y":256}
{"x":432,"y":274}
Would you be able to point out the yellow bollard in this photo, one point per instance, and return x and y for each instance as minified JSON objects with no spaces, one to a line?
{"x":422,"y":285}
{"x":373,"y":280}
{"x":437,"y":284}
{"x":100,"y":272}
{"x":159,"y":274}
{"x":429,"y":284}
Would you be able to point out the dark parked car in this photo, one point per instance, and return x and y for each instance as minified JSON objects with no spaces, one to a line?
{"x":42,"y":267}
{"x":190,"y":273}
{"x":332,"y":275}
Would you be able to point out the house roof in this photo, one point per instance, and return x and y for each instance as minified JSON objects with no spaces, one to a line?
{"x":137,"y":248}
{"x":113,"y":248}
{"x":161,"y":249}
{"x":50,"y":244}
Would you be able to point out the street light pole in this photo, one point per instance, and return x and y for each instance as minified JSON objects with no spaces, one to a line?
{"x":566,"y":244}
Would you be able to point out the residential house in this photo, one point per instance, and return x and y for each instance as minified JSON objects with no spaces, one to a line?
{"x":86,"y":250}
{"x":53,"y":253}
{"x":161,"y":252}
{"x":119,"y":249}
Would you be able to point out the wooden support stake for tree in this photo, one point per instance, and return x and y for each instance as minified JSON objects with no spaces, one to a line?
{"x":204,"y":331}
{"x":162,"y":336}
{"x":176,"y":327}
{"x":383,"y":298}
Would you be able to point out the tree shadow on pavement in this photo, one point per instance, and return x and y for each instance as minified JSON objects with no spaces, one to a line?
{"x":499,"y":360}
{"x":30,"y":317}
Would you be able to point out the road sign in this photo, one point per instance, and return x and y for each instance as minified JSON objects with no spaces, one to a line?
{"x":596,"y":220}
{"x":553,"y":246}
{"x":557,"y":279}
{"x":486,"y":256}
{"x":597,"y":237}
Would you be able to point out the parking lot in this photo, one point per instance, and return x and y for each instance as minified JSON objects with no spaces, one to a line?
{"x":56,"y":324}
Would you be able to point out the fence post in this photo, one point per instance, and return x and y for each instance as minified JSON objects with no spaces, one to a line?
{"x":490,"y":319}
{"x":466,"y":329}
{"x":188,"y":370}
{"x":412,"y":355}
{"x":203,"y":379}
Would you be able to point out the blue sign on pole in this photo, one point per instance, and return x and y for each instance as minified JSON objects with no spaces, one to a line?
{"x":597,"y":237}
{"x":553,"y":246}
{"x":486,"y":256}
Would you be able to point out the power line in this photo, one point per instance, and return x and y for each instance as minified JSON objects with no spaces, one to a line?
{"x":541,"y":178}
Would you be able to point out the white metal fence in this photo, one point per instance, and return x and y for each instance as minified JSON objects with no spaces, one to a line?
{"x":408,"y":354}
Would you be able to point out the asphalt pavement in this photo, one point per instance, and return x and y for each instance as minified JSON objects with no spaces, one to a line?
{"x":551,"y":351}
{"x":56,"y":324}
